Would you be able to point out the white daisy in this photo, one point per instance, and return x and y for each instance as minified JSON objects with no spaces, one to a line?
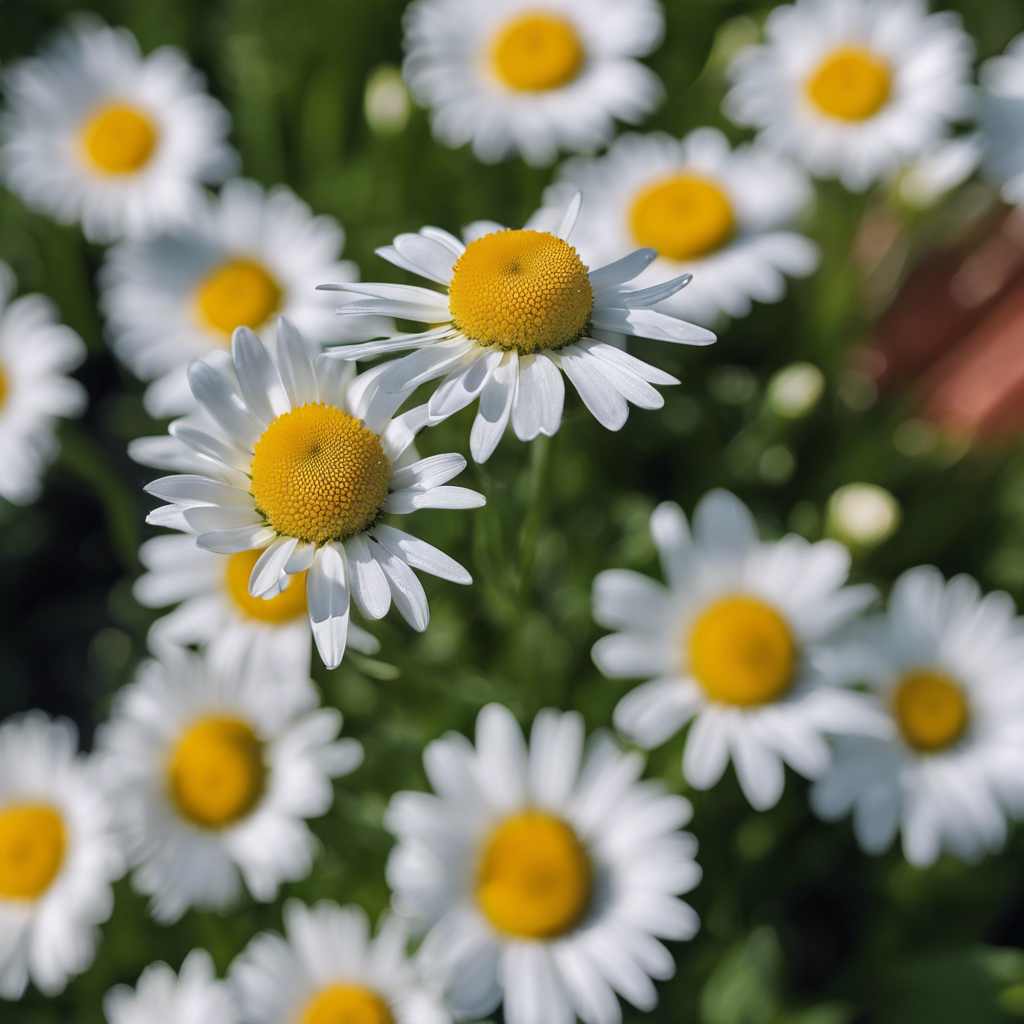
{"x":1000,"y":113}
{"x":739,"y":641}
{"x":327,"y":969}
{"x":193,"y":996}
{"x":242,"y":259}
{"x":213,"y":772}
{"x":945,"y":664}
{"x":98,"y":134}
{"x":36,"y":354}
{"x":58,"y":856}
{"x":519,"y":306}
{"x":531,"y":78}
{"x":544,"y":877}
{"x":302,"y":463}
{"x":853,"y":88}
{"x":723,"y":214}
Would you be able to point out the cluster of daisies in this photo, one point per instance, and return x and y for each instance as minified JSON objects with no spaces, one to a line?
{"x":543,"y":874}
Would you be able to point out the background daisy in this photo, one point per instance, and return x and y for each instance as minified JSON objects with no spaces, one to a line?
{"x":1001,"y":114}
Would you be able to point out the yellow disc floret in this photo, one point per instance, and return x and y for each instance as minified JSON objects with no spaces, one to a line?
{"x":347,"y":1004}
{"x":238,"y":293}
{"x":684,"y":217}
{"x":33,"y":842}
{"x":281,"y":608}
{"x":534,"y":879}
{"x":119,"y":139}
{"x":930,"y":709}
{"x":318,"y":474}
{"x":521,"y":291}
{"x":536,"y":52}
{"x":741,"y":651}
{"x":851,"y":84}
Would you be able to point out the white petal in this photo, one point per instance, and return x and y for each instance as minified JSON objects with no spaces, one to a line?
{"x":624,"y":269}
{"x":427,"y":473}
{"x":605,"y":403}
{"x":647,"y":323}
{"x":327,"y":596}
{"x":269,"y":570}
{"x":184,"y":488}
{"x":403,"y":502}
{"x":495,"y":408}
{"x":370,"y":588}
{"x":707,"y":749}
{"x":257,"y":375}
{"x":213,"y":390}
{"x":406,"y":589}
{"x":420,"y":555}
{"x":540,"y":398}
{"x":297,"y":372}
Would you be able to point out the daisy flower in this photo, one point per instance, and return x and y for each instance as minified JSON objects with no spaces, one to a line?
{"x":213,"y":774}
{"x":739,"y":642}
{"x":98,"y":134}
{"x":944,"y":663}
{"x":163,"y":997}
{"x":544,"y":877}
{"x":519,"y":306}
{"x":723,"y":214}
{"x":59,"y":856}
{"x":1000,"y":113}
{"x":531,"y":78}
{"x":327,"y":968}
{"x":853,"y":88}
{"x":241,"y":259}
{"x":302,"y":464}
{"x":36,"y":354}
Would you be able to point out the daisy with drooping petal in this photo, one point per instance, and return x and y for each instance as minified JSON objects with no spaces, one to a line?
{"x":36,"y":354}
{"x":853,"y":88}
{"x":1000,"y":112}
{"x":242,"y":259}
{"x":739,"y":642}
{"x":327,"y":969}
{"x":98,"y":134}
{"x":544,"y":876}
{"x":193,"y":996}
{"x":519,"y":307}
{"x":302,"y":463}
{"x":213,"y":773}
{"x":59,"y":856}
{"x":531,"y":78}
{"x":945,"y":664}
{"x":724,"y":214}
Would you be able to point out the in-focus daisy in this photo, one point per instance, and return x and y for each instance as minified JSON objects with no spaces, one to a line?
{"x":853,"y":88}
{"x":544,"y":876}
{"x":739,"y":642}
{"x":302,"y":464}
{"x":1000,"y":112}
{"x":193,"y":996}
{"x":518,"y":307}
{"x":213,"y":773}
{"x":723,"y":214}
{"x":59,"y":856}
{"x":242,"y":259}
{"x":36,"y":354}
{"x":945,"y":664}
{"x":327,"y":969}
{"x":98,"y":134}
{"x":531,"y":78}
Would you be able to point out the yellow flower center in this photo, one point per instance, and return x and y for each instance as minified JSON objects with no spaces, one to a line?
{"x":217,"y":773}
{"x":3,"y":387}
{"x":347,"y":1004}
{"x":283,"y":607}
{"x":851,"y":84}
{"x":536,"y":52}
{"x":534,"y":878}
{"x":684,"y":217}
{"x":318,"y":474}
{"x":741,"y":651}
{"x":119,"y":139}
{"x":33,"y":842}
{"x":930,"y":709}
{"x":238,"y":293}
{"x":521,"y":291}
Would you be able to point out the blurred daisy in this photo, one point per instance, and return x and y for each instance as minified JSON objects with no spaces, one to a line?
{"x":723,"y":214}
{"x":519,"y":306}
{"x":531,"y":78}
{"x":301,"y":464}
{"x":213,"y":773}
{"x":58,"y":856}
{"x":945,"y":665}
{"x":242,"y":259}
{"x":1000,"y":112}
{"x":739,"y":642}
{"x":544,"y":877}
{"x":96,"y":133}
{"x":853,"y":88}
{"x":163,"y":997}
{"x":36,"y":354}
{"x":328,"y":970}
